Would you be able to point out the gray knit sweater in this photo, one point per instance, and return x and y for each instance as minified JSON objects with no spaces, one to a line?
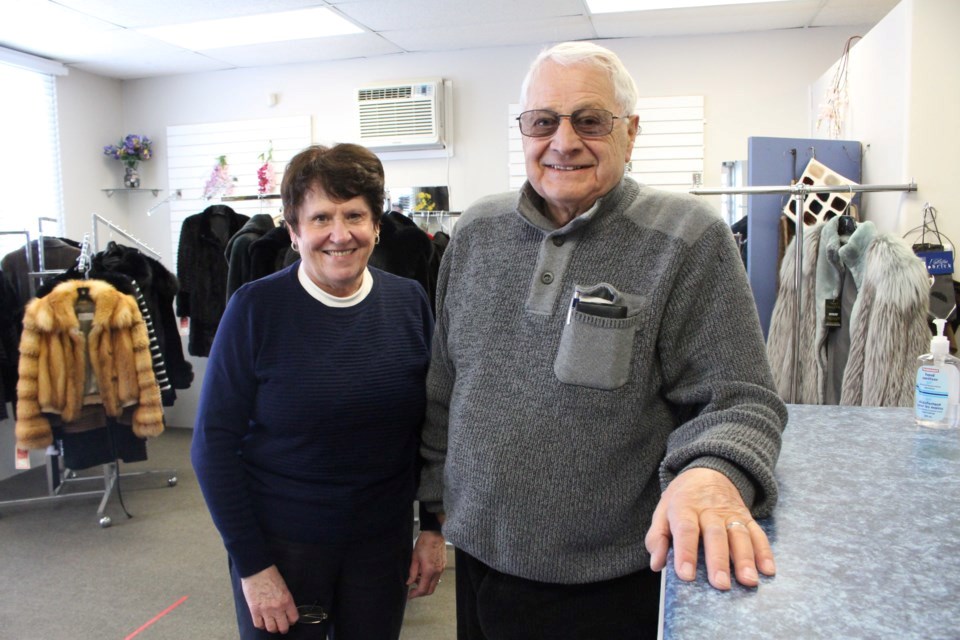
{"x":547,"y":441}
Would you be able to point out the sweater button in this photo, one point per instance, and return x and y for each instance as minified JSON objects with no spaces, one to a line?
{"x":546,"y":278}
{"x":558,"y":241}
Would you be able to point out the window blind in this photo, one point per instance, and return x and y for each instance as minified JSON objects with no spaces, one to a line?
{"x":30,"y":163}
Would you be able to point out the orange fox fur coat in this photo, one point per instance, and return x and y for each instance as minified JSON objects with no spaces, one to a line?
{"x":53,"y":357}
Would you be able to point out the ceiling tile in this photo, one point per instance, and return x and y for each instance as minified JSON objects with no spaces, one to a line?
{"x":398,"y":15}
{"x":153,"y":64}
{"x":97,"y":36}
{"x":493,"y":34}
{"x":853,"y":12}
{"x":150,"y":13}
{"x":704,"y":20}
{"x":297,"y":51}
{"x":63,"y":30}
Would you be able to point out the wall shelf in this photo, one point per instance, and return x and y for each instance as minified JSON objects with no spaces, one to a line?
{"x":110,"y":192}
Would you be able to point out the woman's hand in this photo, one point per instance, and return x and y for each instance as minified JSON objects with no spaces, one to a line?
{"x":427,"y":565}
{"x":270,"y":602}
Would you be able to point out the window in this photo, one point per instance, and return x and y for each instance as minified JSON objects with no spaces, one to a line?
{"x":30,"y":162}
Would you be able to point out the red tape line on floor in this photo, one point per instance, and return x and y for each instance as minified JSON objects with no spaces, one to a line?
{"x":157,"y":617}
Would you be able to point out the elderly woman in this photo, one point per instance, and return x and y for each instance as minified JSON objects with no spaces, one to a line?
{"x":308,"y":425}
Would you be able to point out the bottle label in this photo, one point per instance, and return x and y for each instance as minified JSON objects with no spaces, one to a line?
{"x":933,"y":394}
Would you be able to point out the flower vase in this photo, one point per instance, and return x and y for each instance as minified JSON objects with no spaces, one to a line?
{"x":131,"y":178}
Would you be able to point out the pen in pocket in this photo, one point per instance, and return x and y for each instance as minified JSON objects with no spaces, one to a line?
{"x":573,"y":304}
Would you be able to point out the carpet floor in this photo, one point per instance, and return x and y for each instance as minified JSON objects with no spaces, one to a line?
{"x":159,"y":575}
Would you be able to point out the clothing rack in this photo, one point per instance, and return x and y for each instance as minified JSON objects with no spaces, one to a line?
{"x":261,"y":196}
{"x":58,"y":478}
{"x":176,"y":195}
{"x":97,"y":218}
{"x":84,"y":259}
{"x":799,"y":192}
{"x":441,"y":217}
{"x":27,"y":249}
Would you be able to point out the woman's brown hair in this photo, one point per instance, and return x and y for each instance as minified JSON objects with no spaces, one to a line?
{"x":343,"y":171}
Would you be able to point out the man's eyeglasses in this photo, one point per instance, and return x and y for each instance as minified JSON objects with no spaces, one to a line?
{"x":312,"y":614}
{"x":589,"y":123}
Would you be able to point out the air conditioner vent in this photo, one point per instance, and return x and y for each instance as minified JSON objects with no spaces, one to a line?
{"x":403,"y":116}
{"x":385,"y":93}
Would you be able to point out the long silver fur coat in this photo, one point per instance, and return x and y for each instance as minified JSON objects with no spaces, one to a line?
{"x":888,"y":322}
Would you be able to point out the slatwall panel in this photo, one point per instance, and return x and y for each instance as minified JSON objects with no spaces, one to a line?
{"x":668,"y":151}
{"x":518,"y":172}
{"x":193,"y":149}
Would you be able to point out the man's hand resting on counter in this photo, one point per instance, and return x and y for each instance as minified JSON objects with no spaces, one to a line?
{"x":704,"y":503}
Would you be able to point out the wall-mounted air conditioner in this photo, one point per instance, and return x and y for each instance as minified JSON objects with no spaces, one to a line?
{"x":402,"y":116}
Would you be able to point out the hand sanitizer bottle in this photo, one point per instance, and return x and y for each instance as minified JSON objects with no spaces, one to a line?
{"x":937,"y":400}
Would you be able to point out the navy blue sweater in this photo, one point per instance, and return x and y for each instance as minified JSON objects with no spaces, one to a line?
{"x":309,"y":416}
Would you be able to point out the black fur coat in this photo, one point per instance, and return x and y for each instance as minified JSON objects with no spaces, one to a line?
{"x":202,"y":270}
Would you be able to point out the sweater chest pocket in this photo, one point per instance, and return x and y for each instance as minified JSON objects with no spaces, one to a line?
{"x":596,"y":346}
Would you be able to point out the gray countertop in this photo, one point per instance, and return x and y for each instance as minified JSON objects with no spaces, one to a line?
{"x":866,"y":537}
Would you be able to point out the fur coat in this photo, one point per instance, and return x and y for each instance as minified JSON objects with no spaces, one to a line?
{"x":237,"y":252}
{"x":53,"y":362}
{"x":159,"y":288}
{"x":406,"y":250}
{"x":887,"y":324}
{"x":202,"y":271}
{"x":780,"y":349}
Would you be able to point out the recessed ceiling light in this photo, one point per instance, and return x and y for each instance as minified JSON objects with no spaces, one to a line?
{"x":255,"y":29}
{"x":623,"y":6}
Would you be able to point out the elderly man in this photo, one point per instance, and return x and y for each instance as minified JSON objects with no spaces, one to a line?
{"x":599,"y":387}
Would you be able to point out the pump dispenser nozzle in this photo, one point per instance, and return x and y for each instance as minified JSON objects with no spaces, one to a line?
{"x":939,"y":345}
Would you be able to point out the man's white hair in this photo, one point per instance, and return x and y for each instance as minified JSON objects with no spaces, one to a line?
{"x":573,"y":53}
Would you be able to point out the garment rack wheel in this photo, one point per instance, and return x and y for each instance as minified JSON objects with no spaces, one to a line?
{"x":106,"y":521}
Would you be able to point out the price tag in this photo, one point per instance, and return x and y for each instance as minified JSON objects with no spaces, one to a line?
{"x":23,"y":459}
{"x":831,"y":317}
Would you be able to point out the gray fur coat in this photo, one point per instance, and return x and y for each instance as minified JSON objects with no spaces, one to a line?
{"x":780,"y":343}
{"x":888,"y":322}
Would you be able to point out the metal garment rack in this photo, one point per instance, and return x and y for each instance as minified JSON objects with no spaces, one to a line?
{"x":444,"y":219}
{"x":98,"y":219}
{"x":798,"y":193}
{"x":58,"y":479}
{"x":27,"y":249}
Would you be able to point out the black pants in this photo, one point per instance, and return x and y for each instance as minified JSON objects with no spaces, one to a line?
{"x":362,"y":585}
{"x":496,"y":606}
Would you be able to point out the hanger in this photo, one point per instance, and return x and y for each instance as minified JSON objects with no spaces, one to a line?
{"x":929,"y":224}
{"x":846,"y":225}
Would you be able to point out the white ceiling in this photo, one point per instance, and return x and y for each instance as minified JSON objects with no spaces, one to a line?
{"x":97,"y":36}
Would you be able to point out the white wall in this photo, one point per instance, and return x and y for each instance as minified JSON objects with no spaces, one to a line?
{"x":91,"y":117}
{"x":934,"y":103}
{"x":878,"y":74}
{"x":904,"y":88}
